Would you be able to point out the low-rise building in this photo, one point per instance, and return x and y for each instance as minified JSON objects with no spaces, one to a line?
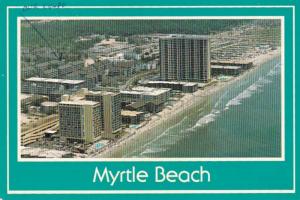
{"x":49,"y":107}
{"x":146,"y":98}
{"x":132,"y":117}
{"x":28,"y":100}
{"x":146,"y":94}
{"x":144,"y":106}
{"x":53,"y":88}
{"x":243,"y":64}
{"x":225,"y":70}
{"x":186,"y":87}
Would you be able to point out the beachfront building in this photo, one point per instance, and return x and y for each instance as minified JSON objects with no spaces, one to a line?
{"x":110,"y":102}
{"x":146,"y":98}
{"x":132,"y":117}
{"x":80,"y":121}
{"x":53,"y":88}
{"x":145,"y":106}
{"x":225,"y":70}
{"x":185,"y":58}
{"x":245,"y":65}
{"x":157,"y":95}
{"x":186,"y":87}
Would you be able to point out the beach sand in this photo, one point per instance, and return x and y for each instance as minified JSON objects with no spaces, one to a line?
{"x":188,"y":101}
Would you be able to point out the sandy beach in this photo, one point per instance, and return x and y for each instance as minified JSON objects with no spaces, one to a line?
{"x":178,"y":108}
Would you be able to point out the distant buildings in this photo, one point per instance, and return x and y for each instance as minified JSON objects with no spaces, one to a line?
{"x":122,"y":67}
{"x":80,"y":120}
{"x":81,"y":70}
{"x":64,"y":70}
{"x":185,"y":58}
{"x":48,"y":69}
{"x":110,"y":104}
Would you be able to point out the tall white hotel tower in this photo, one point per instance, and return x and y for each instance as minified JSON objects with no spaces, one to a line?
{"x":185,"y":58}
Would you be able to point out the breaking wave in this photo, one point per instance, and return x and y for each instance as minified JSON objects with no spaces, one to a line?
{"x":237,"y":100}
{"x":248,"y":92}
{"x":227,"y":100}
{"x":152,"y":150}
{"x":164,"y":139}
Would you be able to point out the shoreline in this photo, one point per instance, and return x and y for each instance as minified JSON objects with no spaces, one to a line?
{"x":187,"y":102}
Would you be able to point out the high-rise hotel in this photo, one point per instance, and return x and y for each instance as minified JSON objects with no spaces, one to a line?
{"x":110,"y":104}
{"x":80,"y":120}
{"x":185,"y":58}
{"x":97,"y":116}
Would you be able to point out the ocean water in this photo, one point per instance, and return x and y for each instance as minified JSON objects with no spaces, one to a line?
{"x":241,"y":120}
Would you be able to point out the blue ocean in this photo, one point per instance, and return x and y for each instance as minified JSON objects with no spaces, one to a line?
{"x":241,"y":120}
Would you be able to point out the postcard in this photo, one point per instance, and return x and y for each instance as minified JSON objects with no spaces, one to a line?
{"x":151,"y":99}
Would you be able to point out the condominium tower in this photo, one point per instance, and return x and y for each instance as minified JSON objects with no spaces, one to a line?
{"x":185,"y":58}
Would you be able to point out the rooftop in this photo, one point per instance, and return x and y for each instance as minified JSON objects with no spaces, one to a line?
{"x":130,"y":113}
{"x":146,"y":91}
{"x":175,"y":83}
{"x":54,"y":80}
{"x":240,"y":62}
{"x":185,"y":36}
{"x":79,"y":103}
{"x":49,"y":103}
{"x":102,"y":93}
{"x":225,"y":67}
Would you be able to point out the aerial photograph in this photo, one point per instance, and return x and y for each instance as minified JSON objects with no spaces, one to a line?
{"x":150,"y":88}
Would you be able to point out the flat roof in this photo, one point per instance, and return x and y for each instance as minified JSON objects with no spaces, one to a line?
{"x":175,"y":83}
{"x":54,"y":80}
{"x":239,"y":62}
{"x":49,"y":103}
{"x":146,"y":91}
{"x":79,"y":102}
{"x":225,"y":67}
{"x":102,"y":93}
{"x":130,"y":113}
{"x":185,"y":36}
